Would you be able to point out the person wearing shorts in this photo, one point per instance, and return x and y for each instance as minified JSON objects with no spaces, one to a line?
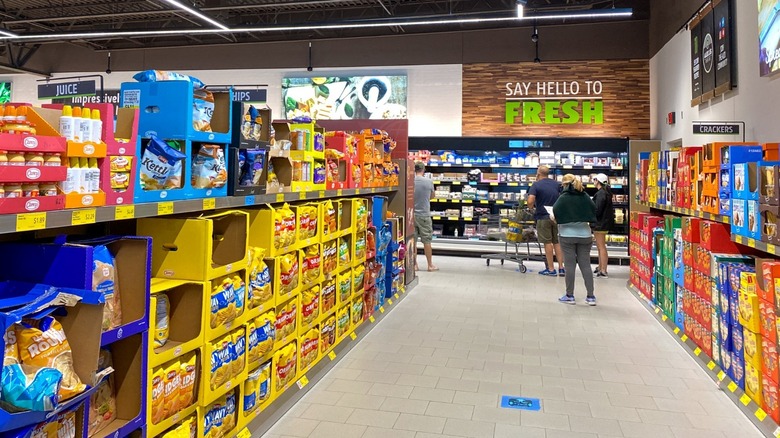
{"x":543,"y":193}
{"x":423,"y":224}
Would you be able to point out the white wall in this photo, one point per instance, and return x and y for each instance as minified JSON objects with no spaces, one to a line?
{"x":754,"y":101}
{"x":434,"y":91}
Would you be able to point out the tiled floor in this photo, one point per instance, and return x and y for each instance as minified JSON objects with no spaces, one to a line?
{"x":437,"y":366}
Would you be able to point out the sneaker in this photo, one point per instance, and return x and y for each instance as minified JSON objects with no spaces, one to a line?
{"x":561,"y":272}
{"x":596,"y":271}
{"x":602,"y":275}
{"x":591,"y":301}
{"x":549,"y":273}
{"x":567,"y":300}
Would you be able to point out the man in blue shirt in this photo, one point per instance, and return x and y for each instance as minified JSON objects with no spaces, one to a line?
{"x":543,"y":193}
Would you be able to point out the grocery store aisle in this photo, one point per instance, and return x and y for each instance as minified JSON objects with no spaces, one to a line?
{"x":439,"y":363}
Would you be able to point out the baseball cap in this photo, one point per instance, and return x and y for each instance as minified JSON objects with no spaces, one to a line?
{"x":602,"y":178}
{"x":419,"y":166}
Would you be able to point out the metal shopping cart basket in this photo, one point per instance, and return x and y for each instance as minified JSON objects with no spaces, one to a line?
{"x":518,"y":232}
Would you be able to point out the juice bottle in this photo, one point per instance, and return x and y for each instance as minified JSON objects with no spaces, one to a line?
{"x":71,"y":182}
{"x":67,"y":123}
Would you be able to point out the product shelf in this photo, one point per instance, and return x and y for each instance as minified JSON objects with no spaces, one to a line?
{"x":509,"y":166}
{"x":752,"y":410}
{"x":12,"y":223}
{"x":688,"y":212}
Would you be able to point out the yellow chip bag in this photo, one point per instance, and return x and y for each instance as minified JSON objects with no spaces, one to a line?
{"x":264,"y":388}
{"x":288,"y":276}
{"x":327,"y":334}
{"x":329,"y":257}
{"x":345,"y":286}
{"x":331,"y":218}
{"x":284,"y":364}
{"x":310,"y":306}
{"x":259,"y":291}
{"x":342,"y":322}
{"x":263,"y":340}
{"x":328,"y":296}
{"x":285,"y":320}
{"x":158,"y":395}
{"x":42,"y":343}
{"x":251,"y":386}
{"x":11,"y":355}
{"x":189,"y":376}
{"x":172,"y":384}
{"x":223,"y":302}
{"x":311,"y":263}
{"x":220,"y":362}
{"x":310,"y":348}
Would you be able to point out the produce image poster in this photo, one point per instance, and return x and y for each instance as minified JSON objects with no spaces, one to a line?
{"x":769,"y":36}
{"x":345,"y":97}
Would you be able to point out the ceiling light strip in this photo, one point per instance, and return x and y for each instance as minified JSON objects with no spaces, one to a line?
{"x":197,"y":13}
{"x":610,"y":13}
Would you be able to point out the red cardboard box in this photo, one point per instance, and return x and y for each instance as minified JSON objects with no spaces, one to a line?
{"x":770,"y":405}
{"x":689,"y":278}
{"x":766,"y":272}
{"x":652,"y":222}
{"x":689,"y":253}
{"x":769,"y":360}
{"x":768,"y":321}
{"x":716,"y":237}
{"x":690,"y":229}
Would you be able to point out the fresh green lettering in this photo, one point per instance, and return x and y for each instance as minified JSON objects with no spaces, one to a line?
{"x":570,"y":109}
{"x":512,"y":111}
{"x":593,"y":112}
{"x":551,"y":110}
{"x":532,"y":113}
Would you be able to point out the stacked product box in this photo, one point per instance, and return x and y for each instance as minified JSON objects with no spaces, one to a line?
{"x":767,"y":286}
{"x":181,"y":153}
{"x":119,"y":269}
{"x":642,"y":258}
{"x":769,"y":200}
{"x":249,"y":150}
{"x":737,"y":164}
{"x":686,"y":177}
{"x":666,"y":295}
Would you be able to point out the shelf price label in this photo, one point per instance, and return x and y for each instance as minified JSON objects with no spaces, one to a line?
{"x":745,"y":400}
{"x":752,"y":243}
{"x":499,"y":202}
{"x":249,"y":200}
{"x":83,"y":217}
{"x":760,"y":414}
{"x":357,"y":191}
{"x":340,"y":192}
{"x":210,"y":204}
{"x":124,"y":212}
{"x":371,"y":319}
{"x":332,"y":355}
{"x":244,"y":433}
{"x":30,"y":221}
{"x":381,"y":309}
{"x":353,"y":336}
{"x":321,"y":194}
{"x":733,"y":387}
{"x":164,"y":208}
{"x":389,"y":301}
{"x":396,"y":296}
{"x":513,"y":184}
{"x":456,"y":183}
{"x":301,"y":195}
{"x":771,"y":248}
{"x":280,"y":197}
{"x":493,"y":184}
{"x":303,"y":382}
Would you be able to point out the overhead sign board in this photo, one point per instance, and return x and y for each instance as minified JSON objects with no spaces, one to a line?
{"x":717,"y":128}
{"x":260,"y":96}
{"x":60,"y":90}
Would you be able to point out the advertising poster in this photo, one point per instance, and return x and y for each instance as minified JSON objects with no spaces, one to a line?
{"x":768,"y":36}
{"x":345,"y":97}
{"x":708,"y":55}
{"x":696,"y":61}
{"x":723,"y":66}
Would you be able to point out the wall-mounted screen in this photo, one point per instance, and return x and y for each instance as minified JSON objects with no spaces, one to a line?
{"x":768,"y":36}
{"x":345,"y":97}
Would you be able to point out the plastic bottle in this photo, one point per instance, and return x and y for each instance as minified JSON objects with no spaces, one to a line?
{"x":84,"y":182}
{"x":94,"y":176}
{"x":70,"y":184}
{"x":77,"y":124}
{"x":97,"y":126}
{"x":67,"y":123}
{"x":85,"y":126}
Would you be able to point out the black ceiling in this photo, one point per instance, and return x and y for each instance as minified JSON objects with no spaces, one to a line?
{"x":26,"y":17}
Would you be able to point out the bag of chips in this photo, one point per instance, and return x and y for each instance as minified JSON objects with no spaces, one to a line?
{"x":11,"y":355}
{"x":251,"y":385}
{"x":328,"y":296}
{"x":311,"y":263}
{"x":158,"y":395}
{"x":42,"y":343}
{"x":30,"y":387}
{"x":202,"y":110}
{"x":162,"y":75}
{"x":285,"y":320}
{"x":288,"y":276}
{"x":239,"y":290}
{"x":264,"y":388}
{"x":357,"y":311}
{"x":66,"y":425}
{"x":189,"y":376}
{"x":239,"y":352}
{"x":310,"y":348}
{"x":102,"y":402}
{"x":342,"y":322}
{"x":358,"y":275}
{"x":284,"y":365}
{"x":104,"y":280}
{"x":229,"y":421}
{"x":209,"y":170}
{"x":327,"y":334}
{"x":343,"y":252}
{"x":161,"y":320}
{"x":223,"y":303}
{"x":310,"y":306}
{"x":360,"y":246}
{"x":266,"y":333}
{"x":172,"y":385}
{"x":259,"y":291}
{"x":331,"y":218}
{"x":345,"y":286}
{"x":221,"y":357}
{"x":330,"y":258}
{"x":159,"y":165}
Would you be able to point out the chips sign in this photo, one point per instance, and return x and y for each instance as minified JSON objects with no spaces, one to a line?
{"x":66,"y":89}
{"x":260,"y":96}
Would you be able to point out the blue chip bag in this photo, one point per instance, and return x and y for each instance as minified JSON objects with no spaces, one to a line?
{"x":157,"y":163}
{"x":31,"y":388}
{"x":162,"y":75}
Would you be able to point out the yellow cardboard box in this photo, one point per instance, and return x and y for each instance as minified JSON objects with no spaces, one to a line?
{"x":184,"y":333}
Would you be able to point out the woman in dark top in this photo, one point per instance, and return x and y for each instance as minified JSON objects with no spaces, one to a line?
{"x":605,"y":220}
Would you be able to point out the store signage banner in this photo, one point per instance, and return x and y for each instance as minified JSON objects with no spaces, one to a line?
{"x":717,"y":128}
{"x":66,"y":89}
{"x":708,"y":55}
{"x":555,"y":103}
{"x":768,"y":36}
{"x":345,"y":97}
{"x":254,"y":96}
{"x":695,"y":62}
{"x":111,"y":96}
{"x":724,"y":56}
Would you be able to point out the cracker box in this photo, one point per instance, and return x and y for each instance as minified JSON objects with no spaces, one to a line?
{"x":737,"y":370}
{"x":768,"y":320}
{"x":753,"y":383}
{"x":769,"y":360}
{"x":749,"y":314}
{"x":752,"y":348}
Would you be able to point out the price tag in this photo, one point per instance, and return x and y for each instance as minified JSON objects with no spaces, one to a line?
{"x":249,"y":200}
{"x":711,"y":365}
{"x":760,"y":414}
{"x":499,"y":202}
{"x":124,"y":212}
{"x":494,"y":165}
{"x":751,"y":242}
{"x":587,"y":167}
{"x":721,"y":376}
{"x":467,"y":165}
{"x":280,"y":197}
{"x":684,"y":338}
{"x":453,"y":218}
{"x":244,"y":433}
{"x":739,"y":239}
{"x":745,"y":400}
{"x":332,"y":355}
{"x":677,"y":330}
{"x":164,"y":208}
{"x":513,"y":184}
{"x":303,"y":382}
{"x":447,"y":165}
{"x":697,"y":351}
{"x":493,"y":184}
{"x":381,"y":309}
{"x":436,"y":218}
{"x":373,"y":189}
{"x":726,"y":219}
{"x":771,"y":248}
{"x":456,"y":183}
{"x":357,"y":191}
{"x":396,"y":296}
{"x":664,"y":317}
{"x":371,"y":319}
{"x":483,"y":202}
{"x":467,"y":201}
{"x":732,"y":386}
{"x":82,"y":217}
{"x":301,"y":195}
{"x":389,"y":301}
{"x":567,"y":167}
{"x":339,"y":192}
{"x":353,"y":336}
{"x":209,"y":204}
{"x":30,"y":221}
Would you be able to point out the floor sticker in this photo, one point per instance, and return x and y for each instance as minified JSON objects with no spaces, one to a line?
{"x":524,"y":403}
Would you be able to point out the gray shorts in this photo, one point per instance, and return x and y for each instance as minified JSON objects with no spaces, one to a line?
{"x":547,"y":231}
{"x":423,"y":228}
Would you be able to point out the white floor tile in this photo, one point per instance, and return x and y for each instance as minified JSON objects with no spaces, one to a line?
{"x":438,"y":364}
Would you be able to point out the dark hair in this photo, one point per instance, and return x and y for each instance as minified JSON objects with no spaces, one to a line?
{"x":419,"y":166}
{"x":606,"y":188}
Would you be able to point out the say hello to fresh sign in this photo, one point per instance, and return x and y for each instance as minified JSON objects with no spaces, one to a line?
{"x":555,"y":103}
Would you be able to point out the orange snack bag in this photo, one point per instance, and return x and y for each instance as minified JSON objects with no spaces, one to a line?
{"x":189,"y":374}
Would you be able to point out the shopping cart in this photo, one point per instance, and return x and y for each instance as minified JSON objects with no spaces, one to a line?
{"x":516,"y":231}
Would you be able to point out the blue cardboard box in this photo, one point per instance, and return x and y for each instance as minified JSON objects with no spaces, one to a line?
{"x":738,"y":370}
{"x":739,"y":212}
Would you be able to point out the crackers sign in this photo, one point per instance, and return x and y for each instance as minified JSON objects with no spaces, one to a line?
{"x":717,"y":128}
